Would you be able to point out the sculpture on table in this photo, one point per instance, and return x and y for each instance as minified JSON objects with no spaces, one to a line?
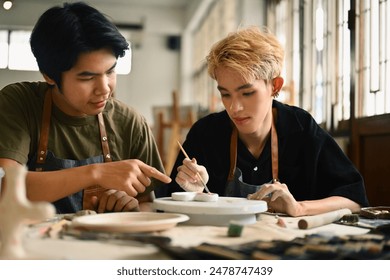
{"x":16,"y":211}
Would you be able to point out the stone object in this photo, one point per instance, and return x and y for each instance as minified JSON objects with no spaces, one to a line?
{"x":16,"y":212}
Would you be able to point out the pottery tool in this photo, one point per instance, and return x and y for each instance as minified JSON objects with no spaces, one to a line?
{"x":322,"y":219}
{"x":197,"y":174}
{"x":354,"y":220}
{"x":141,"y":238}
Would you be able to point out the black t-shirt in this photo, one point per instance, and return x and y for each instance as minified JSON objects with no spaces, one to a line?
{"x":311,"y":163}
{"x":255,"y":171}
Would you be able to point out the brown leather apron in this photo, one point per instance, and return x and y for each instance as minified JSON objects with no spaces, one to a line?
{"x":235,"y":186}
{"x":88,"y":192}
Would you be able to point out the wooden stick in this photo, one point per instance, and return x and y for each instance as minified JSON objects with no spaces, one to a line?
{"x":197,"y":173}
{"x":322,"y":219}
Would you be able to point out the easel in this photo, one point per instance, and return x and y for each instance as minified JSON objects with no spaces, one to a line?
{"x":175,"y":125}
{"x":290,"y":93}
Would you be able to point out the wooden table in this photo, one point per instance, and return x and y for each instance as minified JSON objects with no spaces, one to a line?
{"x":40,"y":246}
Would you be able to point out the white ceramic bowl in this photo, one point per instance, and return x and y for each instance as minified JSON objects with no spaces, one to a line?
{"x":184,"y":196}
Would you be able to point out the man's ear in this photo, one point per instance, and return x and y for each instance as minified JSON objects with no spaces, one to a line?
{"x":49,"y":80}
{"x":277,"y":84}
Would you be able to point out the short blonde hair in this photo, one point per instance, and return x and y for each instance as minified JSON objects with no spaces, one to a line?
{"x":253,"y":53}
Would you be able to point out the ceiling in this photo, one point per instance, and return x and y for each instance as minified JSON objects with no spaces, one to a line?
{"x":140,"y":6}
{"x":155,"y":3}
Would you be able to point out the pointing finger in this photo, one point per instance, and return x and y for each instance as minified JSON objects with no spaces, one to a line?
{"x":150,"y":171}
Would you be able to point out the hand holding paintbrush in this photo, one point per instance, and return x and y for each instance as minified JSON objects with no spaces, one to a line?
{"x":184,"y":182}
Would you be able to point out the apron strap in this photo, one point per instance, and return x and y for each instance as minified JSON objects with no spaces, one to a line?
{"x":274,"y":147}
{"x":97,"y":190}
{"x":44,"y":135}
{"x":104,"y":139}
{"x":233,"y":153}
{"x":274,"y":150}
{"x":88,"y":192}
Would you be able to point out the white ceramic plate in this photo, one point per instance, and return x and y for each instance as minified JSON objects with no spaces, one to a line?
{"x":129,"y":221}
{"x":224,"y":206}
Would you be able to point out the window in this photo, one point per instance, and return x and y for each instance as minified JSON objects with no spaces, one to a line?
{"x":123,"y":66}
{"x":3,"y":49}
{"x":15,"y":53}
{"x":342,"y":98}
{"x":324,"y":63}
{"x":373,"y":66}
{"x":20,"y":56}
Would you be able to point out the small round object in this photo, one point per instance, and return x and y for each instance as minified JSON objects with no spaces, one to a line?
{"x":206,"y":197}
{"x":183,"y":196}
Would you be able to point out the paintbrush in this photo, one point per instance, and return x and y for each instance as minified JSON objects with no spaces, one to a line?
{"x":197,"y":173}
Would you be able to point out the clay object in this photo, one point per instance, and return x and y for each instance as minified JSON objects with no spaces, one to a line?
{"x":194,"y":196}
{"x":183,"y":196}
{"x":16,"y":211}
{"x":206,"y":197}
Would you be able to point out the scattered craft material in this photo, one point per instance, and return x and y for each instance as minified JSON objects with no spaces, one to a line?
{"x":235,"y":229}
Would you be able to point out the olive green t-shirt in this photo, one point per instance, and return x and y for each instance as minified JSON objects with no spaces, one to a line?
{"x":76,"y":138}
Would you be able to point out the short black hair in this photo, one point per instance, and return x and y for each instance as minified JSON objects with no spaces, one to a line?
{"x":63,"y":33}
